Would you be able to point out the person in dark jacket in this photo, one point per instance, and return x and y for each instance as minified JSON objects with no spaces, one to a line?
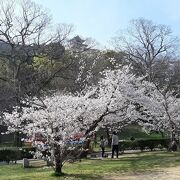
{"x":102,"y":145}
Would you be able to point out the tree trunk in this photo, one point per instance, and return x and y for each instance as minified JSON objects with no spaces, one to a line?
{"x":58,"y":160}
{"x":17,"y":139}
{"x":162,"y":134}
{"x":178,"y":139}
{"x":108,"y":136}
{"x":58,"y":167}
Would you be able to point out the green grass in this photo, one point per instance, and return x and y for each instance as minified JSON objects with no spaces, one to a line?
{"x":95,"y":169}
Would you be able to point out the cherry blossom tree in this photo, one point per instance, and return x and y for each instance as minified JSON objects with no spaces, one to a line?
{"x":61,"y":116}
{"x":161,"y":109}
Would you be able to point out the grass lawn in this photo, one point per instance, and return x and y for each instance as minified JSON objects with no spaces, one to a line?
{"x":96,"y":169}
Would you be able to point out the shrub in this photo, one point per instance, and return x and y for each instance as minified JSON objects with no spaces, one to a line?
{"x":13,"y":154}
{"x":144,"y":144}
{"x":9,"y":154}
{"x":27,"y":152}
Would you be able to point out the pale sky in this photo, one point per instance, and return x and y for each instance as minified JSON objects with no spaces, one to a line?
{"x":101,"y":19}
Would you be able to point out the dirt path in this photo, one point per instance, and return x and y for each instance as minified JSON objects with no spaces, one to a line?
{"x":172,"y":173}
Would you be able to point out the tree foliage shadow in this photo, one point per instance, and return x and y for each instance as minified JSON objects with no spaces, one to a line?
{"x":82,"y":176}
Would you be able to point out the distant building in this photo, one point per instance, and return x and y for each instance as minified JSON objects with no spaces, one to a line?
{"x":76,"y":43}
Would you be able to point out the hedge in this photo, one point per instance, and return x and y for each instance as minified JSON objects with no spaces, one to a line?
{"x":9,"y":154}
{"x":143,"y":144}
{"x":27,"y":152}
{"x":14,"y":154}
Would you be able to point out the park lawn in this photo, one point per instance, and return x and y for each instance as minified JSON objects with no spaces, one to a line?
{"x":96,"y":169}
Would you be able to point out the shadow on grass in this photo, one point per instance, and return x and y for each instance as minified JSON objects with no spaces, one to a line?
{"x":78,"y":176}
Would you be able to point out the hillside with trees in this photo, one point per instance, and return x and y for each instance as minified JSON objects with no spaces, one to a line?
{"x":56,"y":85}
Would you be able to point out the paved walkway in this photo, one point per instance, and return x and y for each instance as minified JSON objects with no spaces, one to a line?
{"x":98,"y":154}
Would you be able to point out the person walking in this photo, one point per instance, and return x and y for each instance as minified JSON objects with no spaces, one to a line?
{"x":115,"y":142}
{"x":102,"y":145}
